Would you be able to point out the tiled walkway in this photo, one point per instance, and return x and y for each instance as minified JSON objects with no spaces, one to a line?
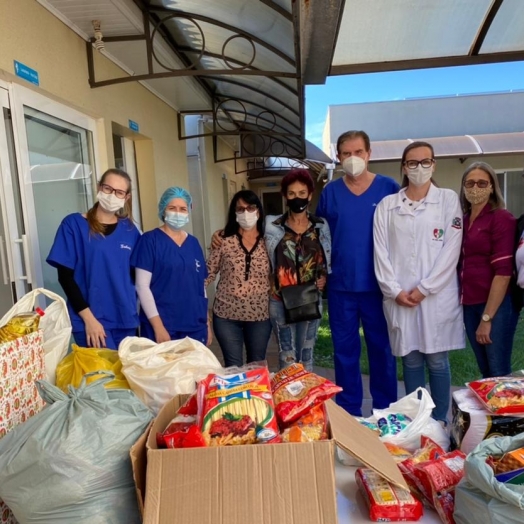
{"x":272,"y":359}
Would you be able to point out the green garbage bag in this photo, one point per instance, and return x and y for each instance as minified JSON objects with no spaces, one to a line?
{"x":479,"y":497}
{"x":70,"y":462}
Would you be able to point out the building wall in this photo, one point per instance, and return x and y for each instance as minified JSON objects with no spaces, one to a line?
{"x":32,"y":35}
{"x":429,"y":117}
{"x":449,"y":171}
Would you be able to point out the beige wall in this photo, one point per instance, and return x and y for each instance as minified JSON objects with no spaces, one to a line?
{"x":32,"y":35}
{"x":218,"y":178}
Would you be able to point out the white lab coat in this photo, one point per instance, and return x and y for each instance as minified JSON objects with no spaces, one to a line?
{"x":421,"y":249}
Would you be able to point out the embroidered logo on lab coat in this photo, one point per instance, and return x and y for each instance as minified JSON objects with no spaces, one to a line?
{"x":438,"y":234}
{"x":456,"y":223}
{"x":125,"y":246}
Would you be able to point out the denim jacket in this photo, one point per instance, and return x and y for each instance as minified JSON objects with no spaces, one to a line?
{"x":274,"y":233}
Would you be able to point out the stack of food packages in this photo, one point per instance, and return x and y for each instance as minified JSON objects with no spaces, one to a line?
{"x":500,"y":395}
{"x":431,"y":472}
{"x":246,"y":406}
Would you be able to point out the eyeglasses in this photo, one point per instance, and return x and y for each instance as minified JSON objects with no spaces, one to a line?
{"x":119,"y":193}
{"x":479,"y":183}
{"x":250,"y":208}
{"x":413,"y":164}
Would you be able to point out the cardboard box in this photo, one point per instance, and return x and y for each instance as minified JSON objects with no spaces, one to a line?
{"x":472,"y":422}
{"x":255,"y":484}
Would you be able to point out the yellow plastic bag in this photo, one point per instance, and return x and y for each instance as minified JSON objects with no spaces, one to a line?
{"x":85,"y":360}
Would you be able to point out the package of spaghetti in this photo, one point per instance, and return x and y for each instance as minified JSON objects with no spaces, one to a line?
{"x":386,"y":502}
{"x":296,"y":391}
{"x":236,"y":407}
{"x":311,"y":426}
{"x":500,"y":394}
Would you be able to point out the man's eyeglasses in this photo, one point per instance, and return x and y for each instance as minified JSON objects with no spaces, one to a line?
{"x":250,"y":208}
{"x":479,"y":183}
{"x":413,"y":164}
{"x":119,"y":193}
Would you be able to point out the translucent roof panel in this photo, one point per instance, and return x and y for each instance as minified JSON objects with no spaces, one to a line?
{"x":387,"y":149}
{"x":253,"y":17}
{"x":507,"y":30}
{"x":395,"y":30}
{"x":501,"y":143}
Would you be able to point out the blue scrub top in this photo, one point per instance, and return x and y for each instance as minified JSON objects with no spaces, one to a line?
{"x":350,"y":219}
{"x":102,"y":270}
{"x":177,"y":282}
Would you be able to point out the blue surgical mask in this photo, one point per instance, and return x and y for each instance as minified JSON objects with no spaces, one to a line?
{"x":176,"y":220}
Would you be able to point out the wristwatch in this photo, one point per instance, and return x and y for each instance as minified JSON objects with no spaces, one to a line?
{"x":486,"y":318}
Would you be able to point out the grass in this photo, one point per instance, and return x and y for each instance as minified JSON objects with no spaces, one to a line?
{"x":463,"y":364}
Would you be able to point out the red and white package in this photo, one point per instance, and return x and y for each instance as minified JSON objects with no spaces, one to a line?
{"x":182,"y":432}
{"x":236,"y":408}
{"x":500,"y":395}
{"x":438,"y":478}
{"x":297,"y":390}
{"x":386,"y":502}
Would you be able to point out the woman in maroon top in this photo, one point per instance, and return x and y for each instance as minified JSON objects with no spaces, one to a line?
{"x":485,"y":270}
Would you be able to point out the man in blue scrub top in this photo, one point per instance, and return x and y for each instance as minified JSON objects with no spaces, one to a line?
{"x":348,"y":204}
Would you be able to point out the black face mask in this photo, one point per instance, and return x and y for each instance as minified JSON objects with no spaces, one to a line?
{"x":297,"y":205}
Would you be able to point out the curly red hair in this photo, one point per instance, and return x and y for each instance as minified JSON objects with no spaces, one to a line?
{"x":297,"y":175}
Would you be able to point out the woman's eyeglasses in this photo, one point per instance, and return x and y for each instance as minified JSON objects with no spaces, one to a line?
{"x":413,"y":164}
{"x":479,"y":183}
{"x":119,"y":193}
{"x":250,"y":208}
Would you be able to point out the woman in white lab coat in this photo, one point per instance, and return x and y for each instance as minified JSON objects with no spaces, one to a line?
{"x":417,"y":238}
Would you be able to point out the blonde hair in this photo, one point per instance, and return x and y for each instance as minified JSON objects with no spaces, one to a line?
{"x":95,"y":226}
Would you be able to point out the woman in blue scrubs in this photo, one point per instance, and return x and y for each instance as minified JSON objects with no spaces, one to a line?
{"x":92,"y":254}
{"x":170,"y":274}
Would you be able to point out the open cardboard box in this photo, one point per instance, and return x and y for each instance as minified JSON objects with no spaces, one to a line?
{"x":252,"y":484}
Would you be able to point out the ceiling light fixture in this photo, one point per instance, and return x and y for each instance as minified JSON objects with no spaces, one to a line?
{"x":98,"y":43}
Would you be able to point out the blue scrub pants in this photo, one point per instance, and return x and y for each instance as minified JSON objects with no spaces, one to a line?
{"x":346,"y":311}
{"x":113,"y":337}
{"x":147,"y":331}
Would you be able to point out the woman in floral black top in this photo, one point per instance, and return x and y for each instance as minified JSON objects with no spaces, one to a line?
{"x":298,"y":244}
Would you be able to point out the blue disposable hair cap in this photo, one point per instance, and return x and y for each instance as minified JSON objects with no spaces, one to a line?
{"x":168,"y":195}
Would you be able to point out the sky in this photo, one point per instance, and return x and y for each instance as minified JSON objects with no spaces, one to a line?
{"x":399,"y":85}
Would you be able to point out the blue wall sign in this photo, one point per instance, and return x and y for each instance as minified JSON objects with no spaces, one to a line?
{"x":133,"y":126}
{"x":25,"y":72}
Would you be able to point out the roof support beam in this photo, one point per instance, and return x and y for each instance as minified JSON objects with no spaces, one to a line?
{"x":425,"y":63}
{"x":484,"y":28}
{"x":319,"y":25}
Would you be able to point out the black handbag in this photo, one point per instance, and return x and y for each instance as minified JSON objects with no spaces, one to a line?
{"x":301,"y":302}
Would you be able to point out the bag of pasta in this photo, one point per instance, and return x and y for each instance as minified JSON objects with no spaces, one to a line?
{"x":308,"y":428}
{"x":236,"y":407}
{"x":296,"y":391}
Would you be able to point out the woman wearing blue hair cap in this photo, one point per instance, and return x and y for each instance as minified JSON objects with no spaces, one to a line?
{"x":170,"y":275}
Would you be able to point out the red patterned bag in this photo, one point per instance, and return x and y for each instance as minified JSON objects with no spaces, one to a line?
{"x":21,"y":364}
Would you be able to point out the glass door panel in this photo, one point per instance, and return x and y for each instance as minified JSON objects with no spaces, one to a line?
{"x":61,"y":181}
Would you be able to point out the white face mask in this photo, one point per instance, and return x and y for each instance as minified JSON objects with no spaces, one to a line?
{"x":110,"y":203}
{"x":354,"y":165}
{"x":420,"y":175}
{"x":247,"y":220}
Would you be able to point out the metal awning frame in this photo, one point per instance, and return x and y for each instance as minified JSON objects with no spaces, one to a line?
{"x":269,"y":128}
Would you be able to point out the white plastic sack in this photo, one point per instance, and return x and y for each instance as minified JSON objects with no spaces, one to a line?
{"x":419,"y":411}
{"x":158,"y":372}
{"x":55,"y":324}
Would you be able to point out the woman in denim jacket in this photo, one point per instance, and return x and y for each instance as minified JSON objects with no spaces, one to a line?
{"x":299,"y":245}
